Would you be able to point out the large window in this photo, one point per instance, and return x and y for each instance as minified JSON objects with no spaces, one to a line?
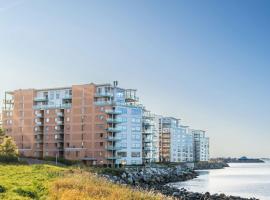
{"x":122,"y":154}
{"x":135,"y":154}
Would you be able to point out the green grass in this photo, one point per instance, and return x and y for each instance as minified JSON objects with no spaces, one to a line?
{"x":24,"y":182}
{"x":46,"y":182}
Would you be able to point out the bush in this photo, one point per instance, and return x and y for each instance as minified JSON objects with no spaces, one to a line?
{"x":26,"y":192}
{"x":2,"y":189}
{"x":8,"y":159}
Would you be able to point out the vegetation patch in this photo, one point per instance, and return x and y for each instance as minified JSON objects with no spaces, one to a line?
{"x":26,"y":192}
{"x":2,"y":189}
{"x":86,"y":186}
{"x":25,"y":182}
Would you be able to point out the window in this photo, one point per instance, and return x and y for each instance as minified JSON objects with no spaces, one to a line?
{"x":122,"y":110}
{"x":47,"y":120}
{"x":68,"y":119}
{"x":123,"y":145}
{"x":135,"y":136}
{"x":52,"y":95}
{"x":122,"y":154}
{"x":47,"y":111}
{"x":135,"y":154}
{"x":135,"y":111}
{"x":57,"y":95}
{"x":101,"y":144}
{"x":136,"y":145}
{"x":101,"y":135}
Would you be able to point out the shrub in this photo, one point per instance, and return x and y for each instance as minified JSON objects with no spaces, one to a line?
{"x":2,"y":189}
{"x":26,"y":192}
{"x":8,"y":159}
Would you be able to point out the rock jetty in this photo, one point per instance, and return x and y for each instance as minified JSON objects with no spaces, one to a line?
{"x":156,"y":179}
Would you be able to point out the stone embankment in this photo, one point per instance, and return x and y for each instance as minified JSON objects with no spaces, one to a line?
{"x":156,"y":179}
{"x":210,"y":165}
{"x":146,"y":177}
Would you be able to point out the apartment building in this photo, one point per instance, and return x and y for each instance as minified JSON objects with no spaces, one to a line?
{"x":186,"y":144}
{"x":99,"y":124}
{"x":201,"y":145}
{"x":176,"y":141}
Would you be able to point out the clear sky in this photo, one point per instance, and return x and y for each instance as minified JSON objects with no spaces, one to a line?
{"x":206,"y":62}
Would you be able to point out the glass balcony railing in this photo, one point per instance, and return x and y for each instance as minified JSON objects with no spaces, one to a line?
{"x":147,"y":140}
{"x":39,"y":115}
{"x":67,"y":97}
{"x":44,"y":107}
{"x":147,"y":132}
{"x":113,"y":112}
{"x":104,"y":94}
{"x":114,"y":129}
{"x":39,"y":124}
{"x":147,"y":148}
{"x":115,"y":121}
{"x":40,"y":99}
{"x":113,"y":158}
{"x":113,"y":148}
{"x":103,"y":103}
{"x":112,"y":139}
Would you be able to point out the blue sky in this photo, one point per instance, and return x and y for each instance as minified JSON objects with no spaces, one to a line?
{"x":206,"y":62}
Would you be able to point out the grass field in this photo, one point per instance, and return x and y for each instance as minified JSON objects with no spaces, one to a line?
{"x":42,"y":182}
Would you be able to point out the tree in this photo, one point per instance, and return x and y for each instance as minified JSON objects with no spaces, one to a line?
{"x":8,"y":148}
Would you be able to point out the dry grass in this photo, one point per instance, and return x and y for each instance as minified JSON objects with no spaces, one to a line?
{"x":85,"y":186}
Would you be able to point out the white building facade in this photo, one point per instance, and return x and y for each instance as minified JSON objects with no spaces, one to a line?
{"x":201,"y":145}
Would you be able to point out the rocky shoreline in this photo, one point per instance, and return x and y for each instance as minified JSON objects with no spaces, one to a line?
{"x":210,"y":165}
{"x":157,"y":178}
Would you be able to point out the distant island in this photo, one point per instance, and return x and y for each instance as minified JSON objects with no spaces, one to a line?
{"x":243,"y":159}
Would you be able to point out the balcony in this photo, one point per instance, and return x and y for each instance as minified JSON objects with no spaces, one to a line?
{"x":58,"y":122}
{"x":113,"y":158}
{"x":113,"y":112}
{"x":39,"y":115}
{"x":41,"y":99}
{"x":67,"y":97}
{"x":147,"y":148}
{"x":39,"y":124}
{"x":131,"y":97}
{"x":39,"y":140}
{"x":112,"y":139}
{"x":148,"y":122}
{"x":60,"y":114}
{"x":104,"y":94}
{"x":39,"y":132}
{"x":45,"y":106}
{"x":114,"y":121}
{"x":103,"y":103}
{"x":113,"y":148}
{"x":147,"y":132}
{"x":147,"y":140}
{"x":114,"y":130}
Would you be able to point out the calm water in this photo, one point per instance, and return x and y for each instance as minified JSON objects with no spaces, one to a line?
{"x":245,"y":180}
